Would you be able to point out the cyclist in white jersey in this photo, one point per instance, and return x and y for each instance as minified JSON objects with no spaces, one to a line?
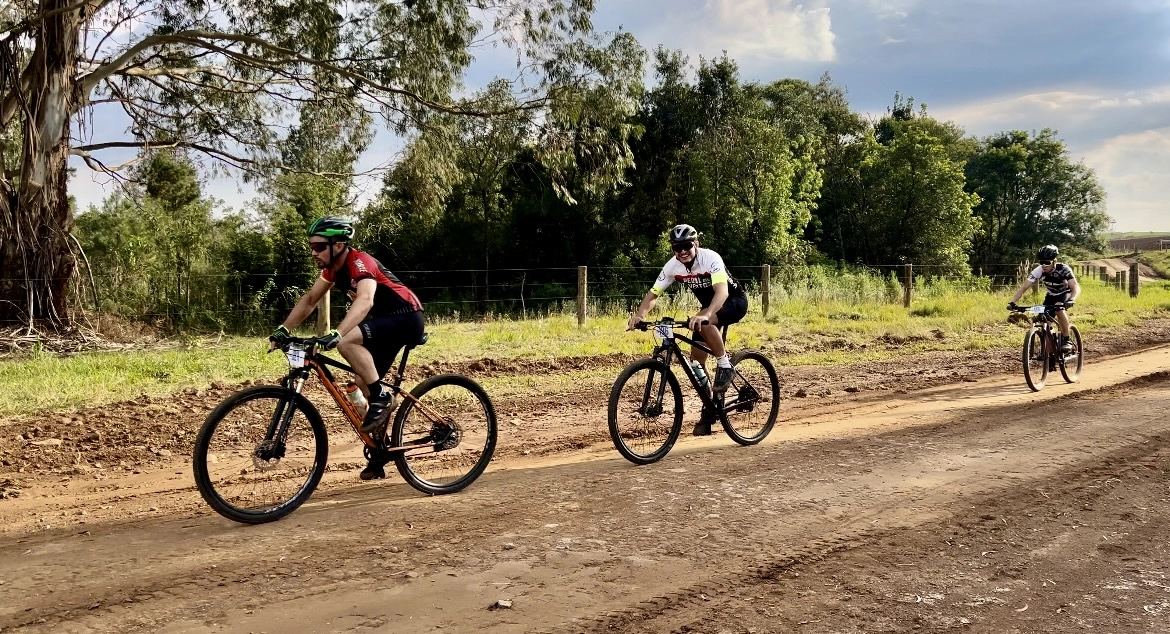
{"x":722,"y":298}
{"x":1061,"y":285}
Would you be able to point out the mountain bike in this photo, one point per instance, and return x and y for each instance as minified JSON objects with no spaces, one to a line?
{"x":262,"y":451}
{"x":646,"y":402}
{"x":1042,"y":354}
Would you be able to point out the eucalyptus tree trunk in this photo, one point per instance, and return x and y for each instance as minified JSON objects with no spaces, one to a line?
{"x":36,"y":263}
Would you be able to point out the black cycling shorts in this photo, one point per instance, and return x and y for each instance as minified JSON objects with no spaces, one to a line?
{"x":385,"y":336}
{"x":1052,"y":300}
{"x":732,"y":310}
{"x":729,"y":313}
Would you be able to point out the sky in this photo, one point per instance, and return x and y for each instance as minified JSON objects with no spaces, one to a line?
{"x":1096,"y":71}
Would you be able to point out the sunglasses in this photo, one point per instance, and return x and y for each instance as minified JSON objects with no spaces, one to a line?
{"x":682,"y":246}
{"x":318,"y":247}
{"x":1046,"y":262}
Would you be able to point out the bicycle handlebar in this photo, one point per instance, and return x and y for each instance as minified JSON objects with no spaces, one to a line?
{"x":1025,"y":309}
{"x":664,"y":321}
{"x":311,"y":342}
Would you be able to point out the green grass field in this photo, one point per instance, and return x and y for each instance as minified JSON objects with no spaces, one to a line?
{"x":1157,"y":260}
{"x":797,"y":331}
{"x":1131,"y":235}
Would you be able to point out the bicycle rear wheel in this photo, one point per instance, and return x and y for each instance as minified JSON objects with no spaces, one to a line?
{"x":645,"y":411}
{"x":1071,"y":364}
{"x":450,"y":429}
{"x":245,"y":468}
{"x":1035,"y":359}
{"x":752,"y":401}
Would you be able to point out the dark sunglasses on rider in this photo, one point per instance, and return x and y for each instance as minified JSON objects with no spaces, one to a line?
{"x":682,"y":246}
{"x":1046,"y":262}
{"x":318,"y":247}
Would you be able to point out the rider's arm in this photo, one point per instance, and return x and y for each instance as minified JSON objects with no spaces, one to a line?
{"x":1074,"y":289}
{"x":1027,"y":283}
{"x":647,"y":304}
{"x":664,"y":281}
{"x":717,"y":300}
{"x":1020,"y":291}
{"x":363,"y":301}
{"x":307,"y":303}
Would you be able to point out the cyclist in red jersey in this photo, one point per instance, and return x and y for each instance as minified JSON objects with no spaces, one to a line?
{"x":383,"y":317}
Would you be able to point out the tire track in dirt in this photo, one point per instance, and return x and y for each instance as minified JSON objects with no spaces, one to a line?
{"x":1079,"y":487}
{"x":671,"y":611}
{"x":834,"y":487}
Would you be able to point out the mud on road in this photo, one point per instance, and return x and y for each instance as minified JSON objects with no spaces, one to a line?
{"x":929,"y":493}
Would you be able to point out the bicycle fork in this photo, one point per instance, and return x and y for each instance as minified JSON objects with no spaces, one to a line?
{"x":272,"y":447}
{"x":651,"y":408}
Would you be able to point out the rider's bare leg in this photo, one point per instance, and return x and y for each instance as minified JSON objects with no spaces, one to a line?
{"x":1062,"y":320}
{"x":714,"y":340}
{"x":359,"y":358}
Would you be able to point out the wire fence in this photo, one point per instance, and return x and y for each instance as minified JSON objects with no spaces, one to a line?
{"x":254,"y":302}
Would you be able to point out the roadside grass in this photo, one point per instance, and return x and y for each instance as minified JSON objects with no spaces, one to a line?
{"x":854,"y":326}
{"x":1157,"y":260}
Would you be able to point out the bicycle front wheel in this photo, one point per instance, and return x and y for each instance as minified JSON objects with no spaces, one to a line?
{"x":645,"y":411}
{"x":449,"y":432}
{"x":752,"y":401}
{"x":260,"y":454}
{"x":1035,"y":359}
{"x":1071,"y":363}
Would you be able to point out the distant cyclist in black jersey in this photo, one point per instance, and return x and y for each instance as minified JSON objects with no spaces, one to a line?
{"x":383,"y":317}
{"x":1061,"y":285}
{"x":722,"y":299}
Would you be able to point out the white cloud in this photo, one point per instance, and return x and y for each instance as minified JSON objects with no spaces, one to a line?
{"x":769,"y":29}
{"x":1124,"y":136}
{"x":1132,"y":168}
{"x":1083,"y":118}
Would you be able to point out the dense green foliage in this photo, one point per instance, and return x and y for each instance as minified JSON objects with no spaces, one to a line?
{"x":494,"y":213}
{"x":223,"y":81}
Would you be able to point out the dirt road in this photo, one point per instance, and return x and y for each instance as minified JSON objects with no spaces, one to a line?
{"x":977,"y":506}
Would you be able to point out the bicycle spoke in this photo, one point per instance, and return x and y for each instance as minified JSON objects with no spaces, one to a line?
{"x":248,"y":471}
{"x":752,"y":400}
{"x":645,"y":412}
{"x":451,"y":430}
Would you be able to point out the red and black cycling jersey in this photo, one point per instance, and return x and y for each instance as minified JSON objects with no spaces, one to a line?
{"x":392,"y":296}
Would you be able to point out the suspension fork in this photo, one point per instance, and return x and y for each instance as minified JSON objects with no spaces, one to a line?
{"x":278,"y":425}
{"x":646,"y":394}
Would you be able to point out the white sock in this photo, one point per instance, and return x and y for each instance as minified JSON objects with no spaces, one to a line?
{"x":723,"y":362}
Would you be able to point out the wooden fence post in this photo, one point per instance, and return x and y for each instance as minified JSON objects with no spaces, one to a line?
{"x":582,"y":296}
{"x":1122,"y":283}
{"x":1134,"y":282}
{"x":1104,"y":273}
{"x":907,"y":283}
{"x":765,"y":288}
{"x":323,"y":314}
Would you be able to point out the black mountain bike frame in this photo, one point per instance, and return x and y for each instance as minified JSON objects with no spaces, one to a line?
{"x":668,"y":349}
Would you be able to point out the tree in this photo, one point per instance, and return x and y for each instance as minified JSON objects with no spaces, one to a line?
{"x":314,"y":180}
{"x":748,"y":186}
{"x":897,"y":195}
{"x":919,"y":211}
{"x":831,"y":140}
{"x":219,"y":77}
{"x":149,"y":242}
{"x":1031,"y":194}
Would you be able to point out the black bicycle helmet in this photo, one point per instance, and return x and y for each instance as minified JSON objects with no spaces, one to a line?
{"x":1047,"y":252}
{"x":332,"y":227}
{"x":683,"y":233}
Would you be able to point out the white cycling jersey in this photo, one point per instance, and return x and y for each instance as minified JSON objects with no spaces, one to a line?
{"x":704,"y":271}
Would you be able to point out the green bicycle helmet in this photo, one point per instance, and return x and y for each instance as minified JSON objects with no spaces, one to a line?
{"x":332,"y":227}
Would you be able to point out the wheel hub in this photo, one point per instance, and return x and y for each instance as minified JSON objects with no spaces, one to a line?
{"x":267,"y":455}
{"x":446,"y":435}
